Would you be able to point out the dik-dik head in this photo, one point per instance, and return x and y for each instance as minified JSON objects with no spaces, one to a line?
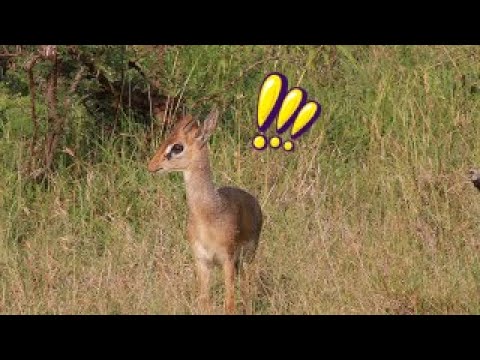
{"x":184,"y":145}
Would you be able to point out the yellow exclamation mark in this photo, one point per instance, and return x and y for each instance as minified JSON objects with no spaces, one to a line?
{"x":272,"y":92}
{"x":292,"y":104}
{"x":304,"y":120}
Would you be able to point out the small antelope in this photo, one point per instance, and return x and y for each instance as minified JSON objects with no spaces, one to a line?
{"x":224,"y":224}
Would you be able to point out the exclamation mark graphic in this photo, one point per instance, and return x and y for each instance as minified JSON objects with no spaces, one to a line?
{"x":291,"y":106}
{"x":304,"y":120}
{"x":272,"y":92}
{"x":292,"y":110}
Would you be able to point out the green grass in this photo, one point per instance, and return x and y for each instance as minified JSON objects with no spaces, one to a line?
{"x":371,"y":214}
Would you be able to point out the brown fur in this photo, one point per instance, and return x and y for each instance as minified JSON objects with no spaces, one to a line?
{"x":224,"y":224}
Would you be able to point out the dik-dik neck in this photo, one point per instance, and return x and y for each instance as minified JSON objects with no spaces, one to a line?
{"x":201,"y":193}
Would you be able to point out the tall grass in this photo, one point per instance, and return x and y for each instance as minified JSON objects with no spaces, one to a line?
{"x":371,"y":214}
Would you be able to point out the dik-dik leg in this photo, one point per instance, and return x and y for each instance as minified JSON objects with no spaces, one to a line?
{"x":229,"y":273}
{"x":245,"y":273}
{"x":203,"y":273}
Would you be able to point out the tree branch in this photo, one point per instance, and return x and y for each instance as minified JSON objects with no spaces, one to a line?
{"x":29,"y":68}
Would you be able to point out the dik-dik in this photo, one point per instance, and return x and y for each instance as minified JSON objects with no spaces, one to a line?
{"x":224,"y":223}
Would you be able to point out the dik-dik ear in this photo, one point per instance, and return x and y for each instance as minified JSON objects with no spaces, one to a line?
{"x":208,"y":127}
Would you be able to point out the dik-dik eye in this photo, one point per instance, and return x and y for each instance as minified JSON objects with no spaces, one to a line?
{"x":176,"y":149}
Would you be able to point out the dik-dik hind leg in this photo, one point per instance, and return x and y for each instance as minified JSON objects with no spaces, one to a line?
{"x":246,"y":270}
{"x":229,"y":273}
{"x":203,"y":272}
{"x":243,"y":270}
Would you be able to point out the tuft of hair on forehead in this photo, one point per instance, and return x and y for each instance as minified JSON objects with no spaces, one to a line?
{"x":186,"y":124}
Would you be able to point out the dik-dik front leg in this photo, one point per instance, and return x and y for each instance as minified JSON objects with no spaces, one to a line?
{"x":203,"y":273}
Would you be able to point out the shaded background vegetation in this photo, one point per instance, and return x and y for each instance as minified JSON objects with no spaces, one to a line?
{"x":372,"y":214}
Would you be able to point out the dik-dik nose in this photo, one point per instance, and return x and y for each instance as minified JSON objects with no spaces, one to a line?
{"x":153,"y":166}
